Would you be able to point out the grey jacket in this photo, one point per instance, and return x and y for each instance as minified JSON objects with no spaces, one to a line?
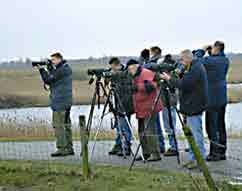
{"x":60,"y":82}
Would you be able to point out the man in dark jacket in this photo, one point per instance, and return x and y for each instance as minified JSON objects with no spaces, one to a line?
{"x":59,"y":80}
{"x":145,"y":93}
{"x":193,"y":95}
{"x":216,"y":65}
{"x":121,"y":81}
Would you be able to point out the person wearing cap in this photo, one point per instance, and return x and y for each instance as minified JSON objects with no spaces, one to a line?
{"x":121,"y":81}
{"x":217,"y":65}
{"x":145,"y":92}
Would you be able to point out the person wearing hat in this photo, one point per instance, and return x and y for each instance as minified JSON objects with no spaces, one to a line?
{"x":121,"y":81}
{"x":217,"y":65}
{"x":145,"y":91}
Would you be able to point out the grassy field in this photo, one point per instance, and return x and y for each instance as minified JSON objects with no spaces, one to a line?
{"x":23,"y":88}
{"x":30,"y":176}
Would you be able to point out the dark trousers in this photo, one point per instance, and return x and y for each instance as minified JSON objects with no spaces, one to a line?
{"x":216,"y":130}
{"x":148,"y":137}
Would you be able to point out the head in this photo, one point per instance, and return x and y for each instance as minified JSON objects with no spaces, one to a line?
{"x":168,"y":59}
{"x":115,"y":64}
{"x":186,"y":57}
{"x":132,"y":66}
{"x":217,"y":48}
{"x":145,"y":54}
{"x":155,"y":51}
{"x":56,"y":58}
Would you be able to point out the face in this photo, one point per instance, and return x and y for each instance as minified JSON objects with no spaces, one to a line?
{"x":186,"y":60}
{"x":55,"y":60}
{"x":116,"y":67}
{"x":215,"y":50}
{"x":132,"y":69}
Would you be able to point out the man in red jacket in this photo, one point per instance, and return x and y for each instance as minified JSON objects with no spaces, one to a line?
{"x":145,"y":93}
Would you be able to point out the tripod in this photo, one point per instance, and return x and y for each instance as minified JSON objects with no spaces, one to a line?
{"x":114,"y":108}
{"x":164,"y":88}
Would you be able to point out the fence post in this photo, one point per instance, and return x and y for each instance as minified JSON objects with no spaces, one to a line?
{"x":201,"y":162}
{"x":84,"y":146}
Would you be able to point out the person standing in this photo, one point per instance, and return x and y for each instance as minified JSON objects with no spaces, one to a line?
{"x":59,"y":80}
{"x":193,"y":96}
{"x":171,"y":151}
{"x":217,"y":65}
{"x":145,"y":92}
{"x":122,"y":81}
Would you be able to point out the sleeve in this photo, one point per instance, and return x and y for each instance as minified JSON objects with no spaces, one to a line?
{"x":187,"y":82}
{"x":199,"y":53}
{"x":52,"y":77}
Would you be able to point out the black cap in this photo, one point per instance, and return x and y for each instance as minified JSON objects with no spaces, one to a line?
{"x":114,"y":60}
{"x":220,"y":45}
{"x":132,"y":62}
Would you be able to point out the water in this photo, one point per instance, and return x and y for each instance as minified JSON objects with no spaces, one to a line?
{"x":43,"y":115}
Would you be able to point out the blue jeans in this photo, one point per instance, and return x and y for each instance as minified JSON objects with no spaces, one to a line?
{"x":195,"y":124}
{"x":123,"y":129}
{"x":160,"y":133}
{"x":167,"y":127}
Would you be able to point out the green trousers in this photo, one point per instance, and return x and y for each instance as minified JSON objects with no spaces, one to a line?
{"x":62,"y":126}
{"x":149,"y":137}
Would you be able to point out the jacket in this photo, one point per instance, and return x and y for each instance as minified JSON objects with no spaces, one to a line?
{"x":60,"y":83}
{"x":193,"y":89}
{"x":143,"y":101}
{"x":217,"y":68}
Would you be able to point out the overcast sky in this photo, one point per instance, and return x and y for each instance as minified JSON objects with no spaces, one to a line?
{"x":78,"y":28}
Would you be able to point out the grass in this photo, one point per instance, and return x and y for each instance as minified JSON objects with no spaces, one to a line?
{"x":33,"y":176}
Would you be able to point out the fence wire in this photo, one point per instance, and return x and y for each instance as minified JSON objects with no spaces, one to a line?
{"x":28,"y":135}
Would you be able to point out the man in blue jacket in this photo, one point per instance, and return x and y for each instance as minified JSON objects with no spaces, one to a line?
{"x":59,"y":80}
{"x":193,"y":96}
{"x":216,"y":65}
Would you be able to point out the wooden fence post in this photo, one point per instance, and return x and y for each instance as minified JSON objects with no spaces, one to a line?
{"x":201,"y":162}
{"x":84,"y":145}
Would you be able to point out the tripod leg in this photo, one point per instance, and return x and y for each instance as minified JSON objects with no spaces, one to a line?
{"x":158,"y":97}
{"x":133,"y":136}
{"x":100,"y":125}
{"x":95,"y":138}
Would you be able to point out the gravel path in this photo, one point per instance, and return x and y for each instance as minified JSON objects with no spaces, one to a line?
{"x":231,"y":168}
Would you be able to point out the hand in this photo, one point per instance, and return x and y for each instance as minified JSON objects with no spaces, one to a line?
{"x":165,"y":76}
{"x":205,"y":48}
{"x":38,"y":66}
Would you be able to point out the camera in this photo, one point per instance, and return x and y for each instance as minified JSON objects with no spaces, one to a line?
{"x":178,"y":68}
{"x":41,"y":63}
{"x":100,"y":72}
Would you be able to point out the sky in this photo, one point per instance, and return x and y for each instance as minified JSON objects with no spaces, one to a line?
{"x":78,"y":28}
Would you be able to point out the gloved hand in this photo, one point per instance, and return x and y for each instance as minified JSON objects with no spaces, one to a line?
{"x":149,"y":88}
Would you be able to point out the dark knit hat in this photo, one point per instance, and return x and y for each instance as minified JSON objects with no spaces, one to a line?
{"x":132,"y":62}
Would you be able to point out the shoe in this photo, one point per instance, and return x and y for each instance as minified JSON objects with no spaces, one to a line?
{"x":115,"y":150}
{"x":187,"y":150}
{"x":69,"y":152}
{"x":191,"y":165}
{"x":58,"y":153}
{"x":215,"y":158}
{"x":127,"y":152}
{"x":154,"y":158}
{"x":162,"y":151}
{"x":139,"y":158}
{"x":170,"y":153}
